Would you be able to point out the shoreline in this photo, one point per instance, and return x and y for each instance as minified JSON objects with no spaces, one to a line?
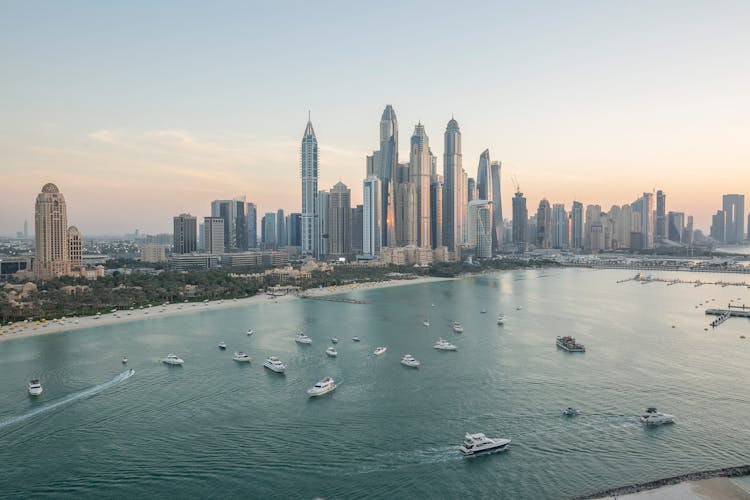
{"x":173,"y":309}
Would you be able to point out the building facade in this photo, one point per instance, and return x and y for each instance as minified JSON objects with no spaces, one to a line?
{"x":309,"y":175}
{"x":185,"y":234}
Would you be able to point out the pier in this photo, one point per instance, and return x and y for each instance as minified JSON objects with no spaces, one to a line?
{"x":334,"y":299}
{"x":645,"y":280}
{"x":742,"y":311}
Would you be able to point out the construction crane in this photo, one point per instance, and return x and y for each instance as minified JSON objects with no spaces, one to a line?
{"x":515,"y":183}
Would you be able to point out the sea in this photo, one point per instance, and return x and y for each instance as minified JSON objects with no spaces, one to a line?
{"x":215,"y":428}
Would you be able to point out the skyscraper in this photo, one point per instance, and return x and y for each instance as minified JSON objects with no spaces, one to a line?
{"x":497,"y":207}
{"x":371,"y":216}
{"x":436,"y":213}
{"x":560,"y":226}
{"x":453,"y":187}
{"x":309,"y":174}
{"x":734,"y":208}
{"x":294,"y":228}
{"x":661,"y":219}
{"x":321,"y":216}
{"x":75,"y":247}
{"x":484,"y":177}
{"x":689,"y":231}
{"x":185,"y":234}
{"x":471,"y":189}
{"x":235,"y":222}
{"x":384,"y":164}
{"x":480,"y":228}
{"x":676,"y":226}
{"x":252,"y":225}
{"x":544,"y":224}
{"x":281,"y":237}
{"x":420,"y":174}
{"x":576,"y":225}
{"x":213,"y":235}
{"x":718,"y":226}
{"x":520,"y":222}
{"x":51,"y":227}
{"x":339,"y":221}
{"x":357,"y":228}
{"x":268,"y":230}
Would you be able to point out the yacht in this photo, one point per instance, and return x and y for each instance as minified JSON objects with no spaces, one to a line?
{"x":335,"y":340}
{"x":483,"y":311}
{"x":250,"y":332}
{"x":124,"y":359}
{"x":325,"y":386}
{"x":355,"y":339}
{"x":444,"y":345}
{"x":241,"y":357}
{"x":458,"y":327}
{"x":35,"y":387}
{"x":426,"y":323}
{"x":477,"y":444}
{"x":171,"y":359}
{"x":569,"y":344}
{"x":571,"y":412}
{"x":519,"y":308}
{"x":332,"y":352}
{"x":410,"y":361}
{"x":654,"y":417}
{"x":501,"y":319}
{"x":379,"y":351}
{"x":303,"y":339}
{"x":222,"y":345}
{"x":274,"y":364}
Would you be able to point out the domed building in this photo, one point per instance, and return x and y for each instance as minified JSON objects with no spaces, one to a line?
{"x":52,"y":258}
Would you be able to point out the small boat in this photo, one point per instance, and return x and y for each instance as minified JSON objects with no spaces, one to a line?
{"x":124,"y":359}
{"x":569,"y":344}
{"x":222,"y":345}
{"x":444,"y":345}
{"x":274,"y":364}
{"x":324,"y":386}
{"x":654,"y":417}
{"x":335,"y":340}
{"x":410,"y":361}
{"x":476,"y":444}
{"x":172,"y":359}
{"x":355,"y":339}
{"x":571,"y":412}
{"x":35,"y":387}
{"x":426,"y":323}
{"x":380,"y":350}
{"x":303,"y":339}
{"x":250,"y":332}
{"x":332,"y":352}
{"x":458,"y":327}
{"x":483,"y":311}
{"x":241,"y":357}
{"x":501,"y":319}
{"x":432,"y":305}
{"x":518,"y":308}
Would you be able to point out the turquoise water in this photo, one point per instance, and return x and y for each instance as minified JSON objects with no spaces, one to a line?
{"x":216,"y":428}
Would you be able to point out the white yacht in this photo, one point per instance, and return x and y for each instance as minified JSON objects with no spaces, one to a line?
{"x":476,"y":444}
{"x":222,"y":345}
{"x":483,"y":311}
{"x":379,"y":351}
{"x":355,"y":339}
{"x":274,"y":364}
{"x":410,"y":361}
{"x":334,"y":340}
{"x":426,"y":323}
{"x":518,"y":308}
{"x":303,"y":339}
{"x":444,"y":345}
{"x":250,"y":332}
{"x":124,"y":359}
{"x":35,"y":387}
{"x":323,"y":387}
{"x":332,"y":352}
{"x":241,"y":357}
{"x":458,"y":327}
{"x":501,"y":319}
{"x":171,"y":359}
{"x":654,"y":417}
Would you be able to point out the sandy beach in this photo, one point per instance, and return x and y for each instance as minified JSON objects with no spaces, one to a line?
{"x":717,"y":488}
{"x":31,"y":328}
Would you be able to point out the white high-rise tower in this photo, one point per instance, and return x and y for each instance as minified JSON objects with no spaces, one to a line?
{"x":309,"y":173}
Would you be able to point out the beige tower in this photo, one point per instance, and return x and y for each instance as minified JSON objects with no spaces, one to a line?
{"x":52,"y":257}
{"x":75,"y":247}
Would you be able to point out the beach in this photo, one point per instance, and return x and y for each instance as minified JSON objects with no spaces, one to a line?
{"x":54,"y":325}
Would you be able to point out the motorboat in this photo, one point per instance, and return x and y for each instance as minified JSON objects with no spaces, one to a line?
{"x":355,"y":339}
{"x":222,"y":345}
{"x":444,"y":345}
{"x":653,"y":417}
{"x":241,"y":357}
{"x":458,"y":327}
{"x":501,"y":319}
{"x":171,"y":359}
{"x":379,"y":350}
{"x":518,"y":308}
{"x":569,"y":344}
{"x":335,"y":340}
{"x":35,"y":387}
{"x":483,"y":311}
{"x":303,"y":339}
{"x":477,"y":444}
{"x":324,"y":386}
{"x":332,"y":352}
{"x":426,"y":323}
{"x":274,"y":364}
{"x":410,"y":361}
{"x":571,"y":412}
{"x":250,"y":332}
{"x":124,"y":359}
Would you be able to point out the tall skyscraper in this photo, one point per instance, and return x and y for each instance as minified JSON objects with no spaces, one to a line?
{"x":26,"y":229}
{"x":718,"y":226}
{"x":357,"y":228}
{"x":480,"y":228}
{"x":213,"y":235}
{"x":51,"y":227}
{"x":235,"y":222}
{"x":471,"y":189}
{"x":281,"y":237}
{"x":453,"y":187}
{"x":643,"y":218}
{"x":339,"y":221}
{"x":420,"y":175}
{"x":371,"y":216}
{"x":75,"y":247}
{"x":268,"y":230}
{"x":185,"y":234}
{"x":309,"y":173}
{"x":560,"y":226}
{"x":322,"y":226}
{"x":520,"y":222}
{"x":384,"y":164}
{"x":544,"y":224}
{"x":252,"y":225}
{"x":576,"y":225}
{"x":676,"y":226}
{"x":436,"y":213}
{"x":497,"y":207}
{"x":484,"y":177}
{"x":294,"y":228}
{"x":689,"y":231}
{"x":734,"y":208}
{"x":661,"y":218}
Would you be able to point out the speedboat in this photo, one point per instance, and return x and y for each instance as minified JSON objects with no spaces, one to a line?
{"x":444,"y":345}
{"x":355,"y":339}
{"x":325,"y":386}
{"x":483,"y":311}
{"x":654,"y":417}
{"x":335,"y":340}
{"x":124,"y":359}
{"x":303,"y":339}
{"x":519,"y":308}
{"x":380,"y":350}
{"x":171,"y":359}
{"x":332,"y":352}
{"x":250,"y":332}
{"x":410,"y":361}
{"x":501,"y":319}
{"x":241,"y":357}
{"x":35,"y":387}
{"x":571,"y":412}
{"x":274,"y":364}
{"x":458,"y":327}
{"x":222,"y":345}
{"x":426,"y":323}
{"x":476,"y":444}
{"x":569,"y":344}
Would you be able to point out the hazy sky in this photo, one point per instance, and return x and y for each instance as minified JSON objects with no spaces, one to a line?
{"x":141,"y":110}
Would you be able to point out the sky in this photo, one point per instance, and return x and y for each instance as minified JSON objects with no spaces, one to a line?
{"x":139,"y":111}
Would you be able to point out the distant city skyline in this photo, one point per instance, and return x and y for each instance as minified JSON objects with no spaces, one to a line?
{"x":587,"y":101}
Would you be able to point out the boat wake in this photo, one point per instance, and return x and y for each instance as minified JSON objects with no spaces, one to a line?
{"x":86,"y":393}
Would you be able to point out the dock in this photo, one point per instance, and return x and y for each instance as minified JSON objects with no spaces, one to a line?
{"x":736,"y":311}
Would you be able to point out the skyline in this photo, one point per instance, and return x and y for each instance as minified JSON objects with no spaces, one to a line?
{"x":657,"y":103}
